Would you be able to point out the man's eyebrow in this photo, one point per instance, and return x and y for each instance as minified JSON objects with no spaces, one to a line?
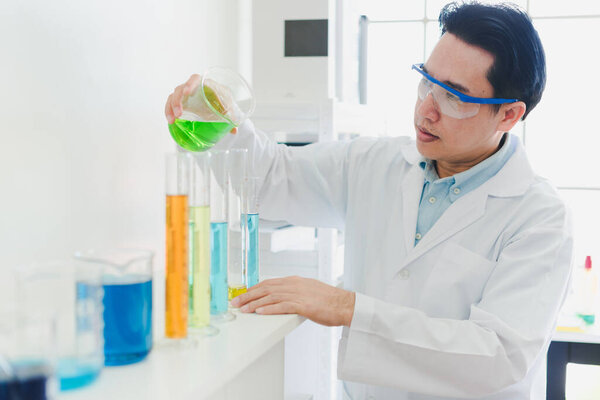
{"x":453,"y":85}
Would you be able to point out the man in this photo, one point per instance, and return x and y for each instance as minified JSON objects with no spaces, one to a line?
{"x":457,"y":256}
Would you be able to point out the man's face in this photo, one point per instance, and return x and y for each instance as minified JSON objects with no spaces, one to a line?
{"x":458,"y":141}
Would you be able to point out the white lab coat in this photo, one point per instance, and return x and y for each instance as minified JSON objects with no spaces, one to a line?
{"x":466,"y":313}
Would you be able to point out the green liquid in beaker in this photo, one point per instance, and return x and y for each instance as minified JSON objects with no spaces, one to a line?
{"x":198,"y":135}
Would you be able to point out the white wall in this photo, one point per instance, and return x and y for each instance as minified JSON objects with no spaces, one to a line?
{"x":83,"y":136}
{"x":287,"y":79}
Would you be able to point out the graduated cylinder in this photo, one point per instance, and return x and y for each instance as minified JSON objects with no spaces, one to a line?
{"x":199,"y":251}
{"x":237,"y":226}
{"x":176,"y":295}
{"x":218,"y":233}
{"x":252,"y":245}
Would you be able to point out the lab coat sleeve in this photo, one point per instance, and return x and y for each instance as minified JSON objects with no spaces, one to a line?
{"x":304,"y":185}
{"x":506,"y":331}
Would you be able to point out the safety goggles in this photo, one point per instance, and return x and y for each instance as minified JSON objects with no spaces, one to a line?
{"x":450,"y":101}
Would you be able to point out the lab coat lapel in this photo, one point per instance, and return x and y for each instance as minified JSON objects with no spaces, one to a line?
{"x":412,"y":187}
{"x":512,"y":180}
{"x":462,"y":213}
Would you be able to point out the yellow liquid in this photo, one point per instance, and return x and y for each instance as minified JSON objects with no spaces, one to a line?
{"x":176,"y":296}
{"x":235,"y":291}
{"x":199,"y":266}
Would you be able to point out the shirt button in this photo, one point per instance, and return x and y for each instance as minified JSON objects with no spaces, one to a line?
{"x":418,"y":236}
{"x":456,"y":190}
{"x":404,"y":274}
{"x":432,"y":200}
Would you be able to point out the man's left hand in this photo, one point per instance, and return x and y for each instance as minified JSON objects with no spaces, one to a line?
{"x":315,"y":300}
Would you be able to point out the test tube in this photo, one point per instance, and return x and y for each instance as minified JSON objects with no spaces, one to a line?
{"x":238,"y":229}
{"x":176,"y":296}
{"x":218,"y":236}
{"x":199,"y":251}
{"x":253,"y":249}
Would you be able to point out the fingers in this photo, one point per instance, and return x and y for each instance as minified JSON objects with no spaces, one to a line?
{"x":279,"y":308}
{"x":174,"y":107}
{"x":264,"y":301}
{"x":252,"y":294}
{"x":191,"y":84}
{"x":169,"y":110}
{"x":176,"y":100}
{"x":262,"y":289}
{"x":184,"y":90}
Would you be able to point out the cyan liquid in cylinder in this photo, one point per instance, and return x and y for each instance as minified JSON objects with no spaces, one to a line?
{"x":218,"y":268}
{"x":253,"y":249}
{"x":127,"y":321}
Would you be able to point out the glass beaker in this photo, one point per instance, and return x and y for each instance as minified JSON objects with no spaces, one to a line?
{"x":176,"y":292}
{"x":199,"y":248}
{"x":127,"y":283}
{"x":67,"y":294}
{"x":237,"y":222}
{"x":219,"y":236}
{"x":31,"y":381}
{"x":27,"y":348}
{"x":222,"y":101}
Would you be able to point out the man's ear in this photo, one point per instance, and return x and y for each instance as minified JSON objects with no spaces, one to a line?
{"x":511,"y":114}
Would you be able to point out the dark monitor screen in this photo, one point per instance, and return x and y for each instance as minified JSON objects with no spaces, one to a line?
{"x":306,"y":38}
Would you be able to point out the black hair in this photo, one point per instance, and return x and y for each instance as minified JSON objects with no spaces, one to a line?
{"x":506,"y":32}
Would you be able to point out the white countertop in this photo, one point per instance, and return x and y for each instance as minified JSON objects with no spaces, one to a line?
{"x":577,"y":337}
{"x":194,"y":369}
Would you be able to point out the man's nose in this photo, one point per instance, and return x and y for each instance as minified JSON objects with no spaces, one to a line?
{"x":428,"y":107}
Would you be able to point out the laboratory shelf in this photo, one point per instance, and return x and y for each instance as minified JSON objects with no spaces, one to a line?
{"x":246,"y":357}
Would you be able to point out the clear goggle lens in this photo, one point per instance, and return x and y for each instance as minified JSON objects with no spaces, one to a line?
{"x":448,"y":103}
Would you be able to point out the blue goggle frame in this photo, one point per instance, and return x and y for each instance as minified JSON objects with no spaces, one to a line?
{"x":463,"y":97}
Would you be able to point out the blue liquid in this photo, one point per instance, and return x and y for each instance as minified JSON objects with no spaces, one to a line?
{"x":127,"y":322}
{"x":33,"y":388}
{"x":218,"y":268}
{"x":75,"y":374}
{"x":29,"y":382}
{"x":253,"y":249}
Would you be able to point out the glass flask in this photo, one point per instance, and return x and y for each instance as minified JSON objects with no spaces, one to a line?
{"x":222,"y":101}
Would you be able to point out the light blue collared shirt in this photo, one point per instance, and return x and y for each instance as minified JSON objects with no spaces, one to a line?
{"x":438,"y":194}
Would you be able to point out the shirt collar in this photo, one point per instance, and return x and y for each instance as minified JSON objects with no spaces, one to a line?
{"x":495,"y":162}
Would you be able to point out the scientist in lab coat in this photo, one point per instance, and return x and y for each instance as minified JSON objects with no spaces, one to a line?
{"x":457,"y":255}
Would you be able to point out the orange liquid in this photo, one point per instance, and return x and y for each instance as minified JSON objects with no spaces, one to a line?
{"x":177,"y":268}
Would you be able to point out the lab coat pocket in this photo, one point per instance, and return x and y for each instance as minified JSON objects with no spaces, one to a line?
{"x":455,"y":283}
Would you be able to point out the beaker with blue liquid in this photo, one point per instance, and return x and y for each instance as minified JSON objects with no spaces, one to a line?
{"x":127,"y":283}
{"x":59,"y":303}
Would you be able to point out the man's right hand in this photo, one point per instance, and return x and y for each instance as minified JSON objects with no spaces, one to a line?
{"x":174,"y":107}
